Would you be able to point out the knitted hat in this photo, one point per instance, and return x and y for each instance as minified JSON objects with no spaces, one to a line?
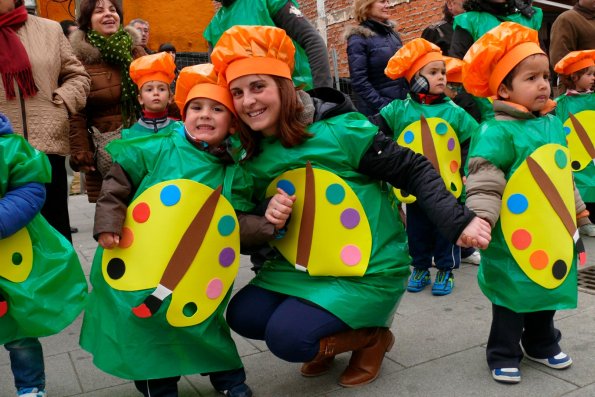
{"x":155,"y":67}
{"x":575,"y":61}
{"x":411,"y":57}
{"x":200,"y":81}
{"x":245,"y":50}
{"x":495,"y":54}
{"x":454,"y":70}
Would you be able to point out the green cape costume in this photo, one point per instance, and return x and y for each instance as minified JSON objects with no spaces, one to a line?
{"x":353,"y":220}
{"x":545,"y":278}
{"x":137,"y":130}
{"x":582,"y":108}
{"x":164,"y":167}
{"x":258,"y":12}
{"x":40,"y":276}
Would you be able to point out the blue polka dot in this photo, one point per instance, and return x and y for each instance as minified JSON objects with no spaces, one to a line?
{"x":226,"y":225}
{"x":441,"y":128}
{"x":567,"y":130}
{"x":561,"y":159}
{"x":408,"y":137}
{"x":286,"y":186}
{"x":170,"y":195}
{"x":517,"y":203}
{"x":335,"y":193}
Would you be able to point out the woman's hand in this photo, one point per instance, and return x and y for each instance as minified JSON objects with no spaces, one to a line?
{"x":109,"y":240}
{"x":478,"y":234}
{"x":279,"y":209}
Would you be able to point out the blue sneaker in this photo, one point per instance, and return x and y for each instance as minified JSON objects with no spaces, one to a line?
{"x":241,"y":390}
{"x":559,"y":361}
{"x":506,"y":375}
{"x":444,"y":283}
{"x":418,"y":280}
{"x":31,"y":392}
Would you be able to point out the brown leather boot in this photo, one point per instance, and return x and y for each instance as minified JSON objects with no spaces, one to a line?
{"x":365,"y":362}
{"x":330,"y":346}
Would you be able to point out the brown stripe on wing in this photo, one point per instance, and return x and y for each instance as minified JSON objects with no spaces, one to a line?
{"x":427,"y":143}
{"x":582,"y":135}
{"x":305,"y":237}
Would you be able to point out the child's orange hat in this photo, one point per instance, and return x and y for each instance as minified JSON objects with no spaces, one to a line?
{"x":245,"y":50}
{"x":495,"y":54}
{"x":154,"y":67}
{"x":575,"y":61}
{"x":200,"y":81}
{"x":454,"y":69}
{"x":411,"y":57}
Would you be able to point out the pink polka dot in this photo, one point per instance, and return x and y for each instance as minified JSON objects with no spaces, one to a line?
{"x":521,"y":239}
{"x":141,"y":212}
{"x":127,"y":237}
{"x":351,"y":255}
{"x":214,"y":288}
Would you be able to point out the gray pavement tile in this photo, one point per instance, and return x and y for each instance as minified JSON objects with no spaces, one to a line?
{"x":61,"y":376}
{"x":587,"y":391}
{"x":91,"y":377}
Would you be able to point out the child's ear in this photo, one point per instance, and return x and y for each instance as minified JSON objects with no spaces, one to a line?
{"x":233,"y":126}
{"x":140,"y":100}
{"x":503,"y":92}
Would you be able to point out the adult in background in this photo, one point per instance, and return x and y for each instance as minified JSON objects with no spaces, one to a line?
{"x":106,"y":50}
{"x":369,"y":47}
{"x":143,"y":28}
{"x":312,"y":69}
{"x":42,"y":83}
{"x":68,"y":26}
{"x":440,"y":33}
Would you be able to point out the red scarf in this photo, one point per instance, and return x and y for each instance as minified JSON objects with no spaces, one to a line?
{"x":14,"y":61}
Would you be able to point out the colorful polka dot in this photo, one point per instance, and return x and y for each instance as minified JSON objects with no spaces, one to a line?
{"x":189,"y":309}
{"x":575,"y":165}
{"x":351,"y":255}
{"x":559,"y":269}
{"x":408,"y":137}
{"x":227,"y":256}
{"x":141,"y":212}
{"x":539,"y":260}
{"x":226,"y":225}
{"x":17,"y":258}
{"x":567,"y":130}
{"x":335,"y":194}
{"x":441,"y":128}
{"x":453,"y":187}
{"x":521,"y":239}
{"x":454,"y":166}
{"x":517,"y":203}
{"x":561,"y":159}
{"x":127,"y":237}
{"x":286,"y":186}
{"x":170,"y":195}
{"x":451,"y":144}
{"x":350,"y":218}
{"x":214,"y":288}
{"x":115,"y":268}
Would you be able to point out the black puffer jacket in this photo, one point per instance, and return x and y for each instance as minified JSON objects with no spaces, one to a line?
{"x":369,"y":47}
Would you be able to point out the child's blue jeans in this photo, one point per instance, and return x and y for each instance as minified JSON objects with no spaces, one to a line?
{"x":26,"y":361}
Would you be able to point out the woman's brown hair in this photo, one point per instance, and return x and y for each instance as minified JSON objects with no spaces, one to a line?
{"x":292,"y":131}
{"x":86,"y":9}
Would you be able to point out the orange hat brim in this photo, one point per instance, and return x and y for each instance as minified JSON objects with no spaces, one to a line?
{"x":257,"y":65}
{"x":509,"y":61}
{"x":157,"y":76}
{"x":423,"y":61}
{"x":212,"y":91}
{"x":582,"y":64}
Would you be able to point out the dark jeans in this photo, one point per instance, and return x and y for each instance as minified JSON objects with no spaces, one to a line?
{"x":55,"y":208}
{"x":534,"y":330}
{"x":425,"y":242}
{"x":168,"y":387}
{"x":292,"y":328}
{"x":26,"y":362}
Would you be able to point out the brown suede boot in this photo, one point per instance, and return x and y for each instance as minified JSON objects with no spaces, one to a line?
{"x":364,"y":365}
{"x":341,"y":342}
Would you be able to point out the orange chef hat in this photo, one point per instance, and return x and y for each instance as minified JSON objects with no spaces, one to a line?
{"x":155,"y":67}
{"x":575,"y":61}
{"x":244,"y":50}
{"x":495,"y":54}
{"x":454,"y":69}
{"x":200,"y":81}
{"x":411,"y":57}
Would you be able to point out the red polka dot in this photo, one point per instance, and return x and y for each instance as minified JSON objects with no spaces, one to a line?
{"x":141,"y":212}
{"x":127,"y":237}
{"x":521,"y":239}
{"x":454,"y":166}
{"x":539,"y":260}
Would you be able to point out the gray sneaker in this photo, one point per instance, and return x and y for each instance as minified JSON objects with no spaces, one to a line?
{"x":587,"y":230}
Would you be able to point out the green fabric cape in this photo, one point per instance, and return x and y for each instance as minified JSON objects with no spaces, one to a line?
{"x":137,"y":130}
{"x":147,"y":348}
{"x":54,"y":292}
{"x":506,"y":144}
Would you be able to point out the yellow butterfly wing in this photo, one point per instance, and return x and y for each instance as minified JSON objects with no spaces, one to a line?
{"x":341,"y":242}
{"x":444,"y":143}
{"x":16,"y":256}
{"x":155,"y":222}
{"x":536,"y":234}
{"x":580,"y":135}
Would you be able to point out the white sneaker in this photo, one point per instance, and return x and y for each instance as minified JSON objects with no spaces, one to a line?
{"x":559,"y":361}
{"x":587,"y":230}
{"x":506,"y":375}
{"x":472,"y":259}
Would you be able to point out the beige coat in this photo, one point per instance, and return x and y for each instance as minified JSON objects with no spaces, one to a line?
{"x":62,"y":83}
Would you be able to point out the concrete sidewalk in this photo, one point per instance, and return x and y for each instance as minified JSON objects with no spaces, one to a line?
{"x":439,"y":349}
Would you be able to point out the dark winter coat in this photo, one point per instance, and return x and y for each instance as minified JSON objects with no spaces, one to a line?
{"x":369,"y":47}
